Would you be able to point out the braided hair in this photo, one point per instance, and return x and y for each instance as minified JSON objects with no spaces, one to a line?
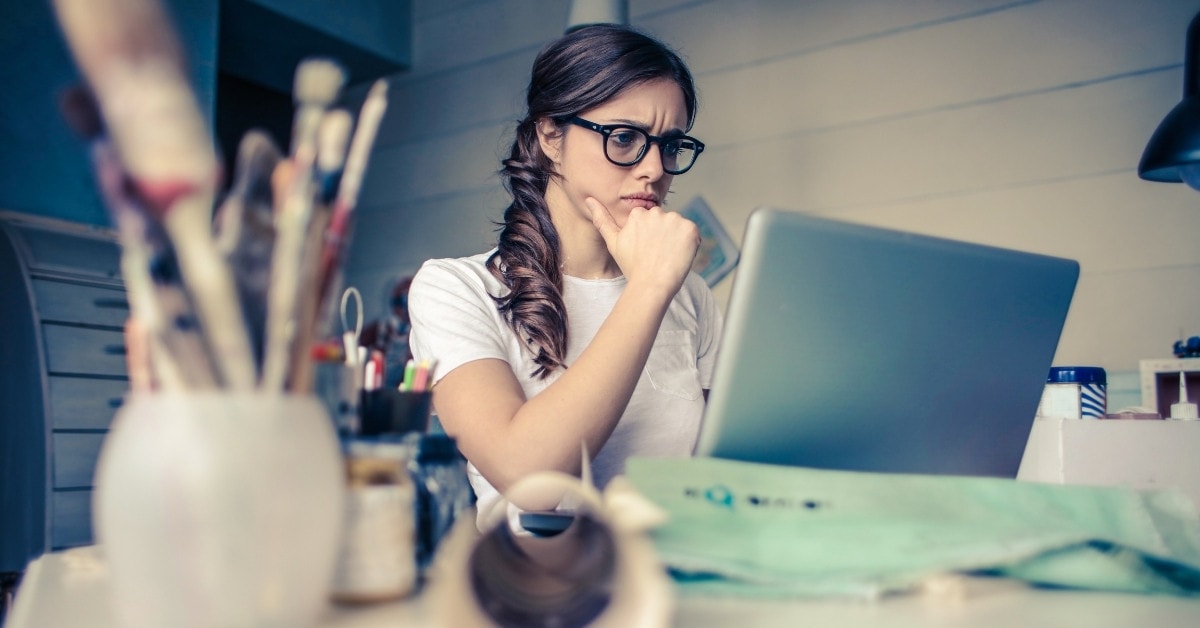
{"x":580,"y":70}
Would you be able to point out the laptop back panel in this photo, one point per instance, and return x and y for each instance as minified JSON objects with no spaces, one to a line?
{"x":859,"y":348}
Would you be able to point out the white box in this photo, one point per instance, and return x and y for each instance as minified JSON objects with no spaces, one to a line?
{"x":1142,"y":454}
{"x":1160,"y":382}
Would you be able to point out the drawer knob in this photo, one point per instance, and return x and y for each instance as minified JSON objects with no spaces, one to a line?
{"x":114,"y":349}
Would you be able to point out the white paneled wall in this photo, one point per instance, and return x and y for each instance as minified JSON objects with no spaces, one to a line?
{"x":1008,"y":122}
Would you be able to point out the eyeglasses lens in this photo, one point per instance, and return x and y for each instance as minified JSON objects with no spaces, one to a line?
{"x":626,"y":147}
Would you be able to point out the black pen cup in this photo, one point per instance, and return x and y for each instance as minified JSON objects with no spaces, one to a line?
{"x":389,"y":411}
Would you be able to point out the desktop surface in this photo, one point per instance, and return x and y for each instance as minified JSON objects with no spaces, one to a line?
{"x":70,"y":588}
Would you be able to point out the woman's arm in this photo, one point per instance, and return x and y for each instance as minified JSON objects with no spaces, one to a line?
{"x":507,"y":436}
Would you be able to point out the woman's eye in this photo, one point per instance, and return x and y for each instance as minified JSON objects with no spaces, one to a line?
{"x":624,"y":137}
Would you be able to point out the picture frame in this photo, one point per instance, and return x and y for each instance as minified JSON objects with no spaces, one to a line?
{"x":718,"y":254}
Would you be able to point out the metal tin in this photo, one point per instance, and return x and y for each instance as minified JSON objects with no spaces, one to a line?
{"x":1075,"y":392}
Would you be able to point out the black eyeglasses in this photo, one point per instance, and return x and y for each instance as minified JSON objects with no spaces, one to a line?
{"x":625,"y":145}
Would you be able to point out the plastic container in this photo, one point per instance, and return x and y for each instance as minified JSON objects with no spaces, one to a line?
{"x":1075,"y":392}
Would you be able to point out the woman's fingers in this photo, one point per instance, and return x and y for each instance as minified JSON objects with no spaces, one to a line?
{"x":603,"y":220}
{"x":653,"y":243}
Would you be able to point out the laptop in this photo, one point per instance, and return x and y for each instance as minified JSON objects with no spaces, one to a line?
{"x":866,"y":349}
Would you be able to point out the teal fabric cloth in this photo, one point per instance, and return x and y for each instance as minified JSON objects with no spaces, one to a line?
{"x":765,"y":530}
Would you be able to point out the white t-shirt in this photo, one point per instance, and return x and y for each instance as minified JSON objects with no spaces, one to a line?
{"x":455,"y":321}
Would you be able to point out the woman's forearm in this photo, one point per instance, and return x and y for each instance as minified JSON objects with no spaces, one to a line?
{"x":582,"y":407}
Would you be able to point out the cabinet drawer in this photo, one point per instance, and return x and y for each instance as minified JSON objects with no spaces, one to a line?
{"x":82,"y":350}
{"x":77,"y":254}
{"x":75,"y":459}
{"x":75,"y":303}
{"x":72,"y":519}
{"x":84,"y":404}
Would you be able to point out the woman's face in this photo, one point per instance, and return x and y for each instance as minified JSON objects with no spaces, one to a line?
{"x":656,"y":107}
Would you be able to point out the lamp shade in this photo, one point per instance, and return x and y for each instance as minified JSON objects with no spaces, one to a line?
{"x":1173,"y":153}
{"x":587,"y":12}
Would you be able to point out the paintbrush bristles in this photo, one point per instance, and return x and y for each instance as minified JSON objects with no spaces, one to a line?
{"x":318,"y":82}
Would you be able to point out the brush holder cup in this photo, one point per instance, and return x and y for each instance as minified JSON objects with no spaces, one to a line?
{"x":220,"y":509}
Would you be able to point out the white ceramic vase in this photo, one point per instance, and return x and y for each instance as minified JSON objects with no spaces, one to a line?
{"x":220,"y":509}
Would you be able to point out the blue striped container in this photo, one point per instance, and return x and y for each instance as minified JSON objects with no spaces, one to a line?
{"x":1086,"y":386}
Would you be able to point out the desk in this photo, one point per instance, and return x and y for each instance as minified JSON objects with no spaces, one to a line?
{"x":70,"y":588}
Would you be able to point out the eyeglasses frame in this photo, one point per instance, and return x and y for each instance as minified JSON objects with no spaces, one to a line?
{"x":608,"y":129}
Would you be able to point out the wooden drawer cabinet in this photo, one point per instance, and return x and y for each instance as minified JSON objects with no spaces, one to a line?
{"x":63,"y":378}
{"x":75,"y":457}
{"x":72,"y":523}
{"x":62,"y":302}
{"x":83,"y":403}
{"x":83,"y":350}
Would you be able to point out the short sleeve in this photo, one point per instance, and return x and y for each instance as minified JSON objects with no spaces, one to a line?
{"x":454,"y":318}
{"x":710,"y":325}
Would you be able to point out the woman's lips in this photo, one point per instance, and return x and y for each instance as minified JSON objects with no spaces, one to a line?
{"x":643,"y":202}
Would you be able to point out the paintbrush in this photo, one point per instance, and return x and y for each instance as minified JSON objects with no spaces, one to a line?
{"x":129,"y":54}
{"x":337,"y":235}
{"x":318,"y":83}
{"x":157,"y":299}
{"x":246,"y":230}
{"x":332,"y":138}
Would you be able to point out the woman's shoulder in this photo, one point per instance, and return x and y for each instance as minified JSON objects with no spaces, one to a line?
{"x":467,"y":273}
{"x":473,"y":266}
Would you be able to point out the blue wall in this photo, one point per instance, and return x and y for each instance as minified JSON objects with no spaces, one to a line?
{"x":43,"y":166}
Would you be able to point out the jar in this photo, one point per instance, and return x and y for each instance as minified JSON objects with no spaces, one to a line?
{"x":1075,"y":392}
{"x":377,"y":558}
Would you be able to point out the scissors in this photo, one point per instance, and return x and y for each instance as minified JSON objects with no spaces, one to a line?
{"x":350,"y":336}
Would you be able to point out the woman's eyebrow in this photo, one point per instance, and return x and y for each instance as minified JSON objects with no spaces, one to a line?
{"x":646,"y":127}
{"x":629,"y":122}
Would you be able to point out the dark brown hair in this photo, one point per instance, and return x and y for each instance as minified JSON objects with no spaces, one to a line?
{"x":576,"y":72}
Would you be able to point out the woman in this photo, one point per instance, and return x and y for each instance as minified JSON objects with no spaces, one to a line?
{"x":584,"y":328}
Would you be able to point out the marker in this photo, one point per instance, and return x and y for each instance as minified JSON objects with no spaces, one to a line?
{"x":421,"y":378}
{"x":410,"y":374}
{"x":373,"y":372}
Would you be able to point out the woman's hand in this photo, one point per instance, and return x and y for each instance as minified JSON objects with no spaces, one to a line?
{"x":655,"y":247}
